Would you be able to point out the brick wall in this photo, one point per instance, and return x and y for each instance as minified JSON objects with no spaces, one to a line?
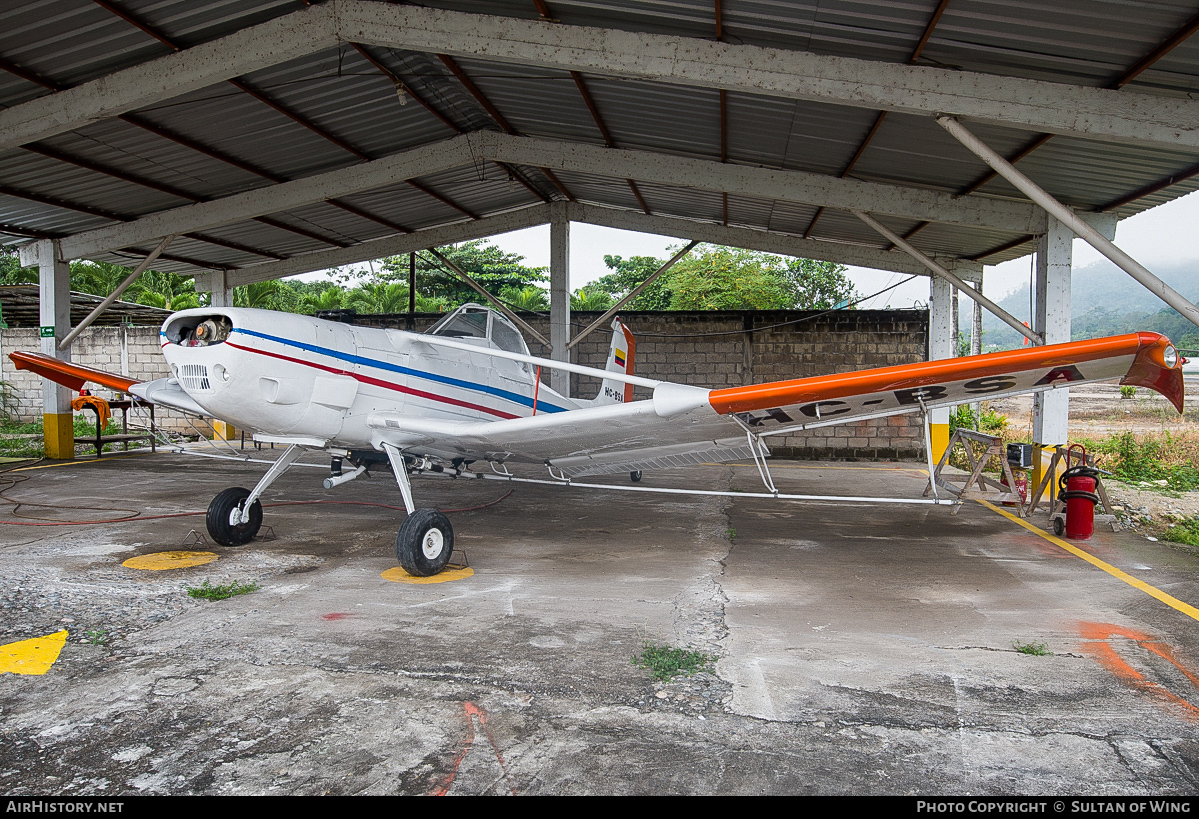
{"x":735,"y":348}
{"x":130,"y":351}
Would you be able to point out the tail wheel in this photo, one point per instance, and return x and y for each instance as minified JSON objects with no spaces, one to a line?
{"x":424,"y":543}
{"x":635,"y":476}
{"x":224,"y":518}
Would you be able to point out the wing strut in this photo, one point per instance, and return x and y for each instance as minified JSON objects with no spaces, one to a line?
{"x":928,"y":446}
{"x":755,"y":446}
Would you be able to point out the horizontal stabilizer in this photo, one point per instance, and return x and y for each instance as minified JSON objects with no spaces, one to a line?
{"x":72,"y":376}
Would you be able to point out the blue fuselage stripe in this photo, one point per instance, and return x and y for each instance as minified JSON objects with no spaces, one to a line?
{"x":516,"y":398}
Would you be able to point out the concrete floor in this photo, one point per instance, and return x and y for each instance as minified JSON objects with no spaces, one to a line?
{"x":861,"y":649}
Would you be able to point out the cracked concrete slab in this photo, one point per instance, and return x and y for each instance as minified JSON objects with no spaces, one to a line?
{"x":858,"y":649}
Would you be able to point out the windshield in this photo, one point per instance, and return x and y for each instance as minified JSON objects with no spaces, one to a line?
{"x":469,"y":321}
{"x":477,"y":321}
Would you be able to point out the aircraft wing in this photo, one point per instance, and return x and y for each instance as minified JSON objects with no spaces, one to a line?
{"x":164,"y":391}
{"x":684,"y":425}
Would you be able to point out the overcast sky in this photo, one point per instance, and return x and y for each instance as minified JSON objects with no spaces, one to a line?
{"x":1168,"y":233}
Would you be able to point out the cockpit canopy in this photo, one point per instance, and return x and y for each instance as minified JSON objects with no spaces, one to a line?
{"x":477,"y":321}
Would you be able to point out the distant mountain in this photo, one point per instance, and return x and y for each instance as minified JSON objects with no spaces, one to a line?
{"x":1104,"y":301}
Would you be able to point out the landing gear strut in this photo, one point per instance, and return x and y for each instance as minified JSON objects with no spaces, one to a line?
{"x":235,"y":515}
{"x":426,"y":539}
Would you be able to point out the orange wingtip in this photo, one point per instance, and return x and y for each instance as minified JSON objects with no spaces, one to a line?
{"x":72,"y":376}
{"x":1149,"y":370}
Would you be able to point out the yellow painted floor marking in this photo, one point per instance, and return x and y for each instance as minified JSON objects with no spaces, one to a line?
{"x":159,"y":561}
{"x":398,"y":575}
{"x":34,"y":656}
{"x":1172,"y":602}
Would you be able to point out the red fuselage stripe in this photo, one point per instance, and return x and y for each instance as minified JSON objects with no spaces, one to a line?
{"x":389,"y":385}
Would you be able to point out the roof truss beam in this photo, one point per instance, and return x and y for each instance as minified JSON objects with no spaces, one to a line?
{"x":1091,"y":113}
{"x":791,"y":186}
{"x":767,"y":242}
{"x":390,"y":246}
{"x":782,"y":244}
{"x":274,"y":199}
{"x":764,"y":183}
{"x":1044,"y":106}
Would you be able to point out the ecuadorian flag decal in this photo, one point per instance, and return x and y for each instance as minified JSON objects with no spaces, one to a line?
{"x":620,"y":356}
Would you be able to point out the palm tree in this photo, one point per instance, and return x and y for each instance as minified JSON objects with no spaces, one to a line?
{"x":97,"y":278}
{"x":168,"y":291}
{"x":330,"y":298}
{"x":584,"y":299}
{"x":378,"y":297}
{"x":530,"y":298}
{"x":269,"y":295}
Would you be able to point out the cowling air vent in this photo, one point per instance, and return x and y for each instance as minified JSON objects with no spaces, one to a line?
{"x":194,"y":377}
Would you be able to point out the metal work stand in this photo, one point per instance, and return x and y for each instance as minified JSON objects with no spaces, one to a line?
{"x":125,"y":436}
{"x":987,"y":487}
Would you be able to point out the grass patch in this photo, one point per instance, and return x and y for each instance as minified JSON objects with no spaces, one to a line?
{"x":97,"y":637}
{"x":987,"y":421}
{"x":207,"y":591}
{"x":730,"y":533}
{"x":1128,"y":392}
{"x":1143,"y":460}
{"x":1185,"y":532}
{"x":24,"y":440}
{"x":665,"y":663}
{"x":1033,"y":648}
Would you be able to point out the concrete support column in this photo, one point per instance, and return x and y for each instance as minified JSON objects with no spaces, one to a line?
{"x":941,"y":344}
{"x":54,"y":279}
{"x":222,"y":291}
{"x":1051,"y":409}
{"x":559,"y":294}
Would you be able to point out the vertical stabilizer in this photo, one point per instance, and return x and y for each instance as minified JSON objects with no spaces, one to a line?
{"x":620,"y":360}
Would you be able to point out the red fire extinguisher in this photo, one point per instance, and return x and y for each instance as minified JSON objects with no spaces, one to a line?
{"x":1078,"y":485}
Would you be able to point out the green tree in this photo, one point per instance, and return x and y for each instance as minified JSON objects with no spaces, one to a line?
{"x":492,"y":268}
{"x":725,"y":278}
{"x":97,"y":278}
{"x":378,"y":297}
{"x":168,"y":291}
{"x":272,"y":294}
{"x":11,"y":271}
{"x":590,"y":299}
{"x":331,"y":298}
{"x":817,"y":285}
{"x":531,"y":298}
{"x":627,"y":275}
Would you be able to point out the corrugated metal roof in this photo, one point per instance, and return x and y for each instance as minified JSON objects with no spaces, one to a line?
{"x":219,"y":141}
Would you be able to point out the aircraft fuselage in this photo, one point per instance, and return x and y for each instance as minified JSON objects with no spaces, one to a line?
{"x":299,"y":377}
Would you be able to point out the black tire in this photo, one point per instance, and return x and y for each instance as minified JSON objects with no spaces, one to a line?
{"x":1059,"y":527}
{"x":221,"y":509}
{"x":424,"y":543}
{"x":635,"y":476}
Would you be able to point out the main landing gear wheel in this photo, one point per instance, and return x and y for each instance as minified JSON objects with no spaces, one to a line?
{"x":425,"y":543}
{"x":223,"y":519}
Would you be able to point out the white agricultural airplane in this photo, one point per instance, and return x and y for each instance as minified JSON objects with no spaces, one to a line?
{"x":467,"y":391}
